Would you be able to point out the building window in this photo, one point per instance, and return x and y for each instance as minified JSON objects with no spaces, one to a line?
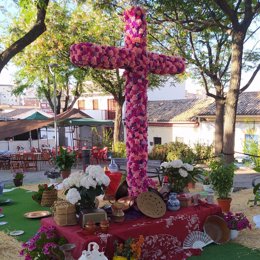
{"x":111,"y":107}
{"x":95,"y":104}
{"x":157,"y":140}
{"x":81,"y":104}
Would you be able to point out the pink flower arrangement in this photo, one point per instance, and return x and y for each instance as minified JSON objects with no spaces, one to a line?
{"x":43,"y":245}
{"x":137,"y":62}
{"x":237,"y":221}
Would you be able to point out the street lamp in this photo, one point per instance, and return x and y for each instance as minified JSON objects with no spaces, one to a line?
{"x":54,"y":65}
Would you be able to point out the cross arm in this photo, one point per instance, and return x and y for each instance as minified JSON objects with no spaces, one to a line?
{"x":162,"y":64}
{"x":99,"y":56}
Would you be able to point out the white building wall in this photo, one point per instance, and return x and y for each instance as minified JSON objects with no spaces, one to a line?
{"x":164,"y":132}
{"x":203,"y":134}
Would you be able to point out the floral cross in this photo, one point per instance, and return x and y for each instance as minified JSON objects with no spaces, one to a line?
{"x":137,"y":62}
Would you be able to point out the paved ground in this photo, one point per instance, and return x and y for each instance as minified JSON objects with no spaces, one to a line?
{"x":243,"y":178}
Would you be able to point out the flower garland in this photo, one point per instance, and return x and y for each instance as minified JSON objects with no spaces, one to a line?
{"x":137,"y":63}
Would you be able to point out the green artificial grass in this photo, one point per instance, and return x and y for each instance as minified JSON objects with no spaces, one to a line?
{"x":22,"y":202}
{"x":228,"y":251}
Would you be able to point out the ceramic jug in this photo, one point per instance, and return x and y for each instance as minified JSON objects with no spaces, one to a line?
{"x":173,"y":203}
{"x":113,"y":166}
{"x":93,"y":254}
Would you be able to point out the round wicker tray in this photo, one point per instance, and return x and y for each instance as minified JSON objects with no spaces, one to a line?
{"x":151,"y":204}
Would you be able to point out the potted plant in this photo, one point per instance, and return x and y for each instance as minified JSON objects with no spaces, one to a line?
{"x":206,"y":181}
{"x":18,"y":178}
{"x":64,"y":160}
{"x":46,"y":195}
{"x":236,"y":222}
{"x":130,"y":249}
{"x":46,"y":244}
{"x":221,"y":178}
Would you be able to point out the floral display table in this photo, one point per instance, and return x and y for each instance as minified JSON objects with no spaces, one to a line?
{"x":163,"y":236}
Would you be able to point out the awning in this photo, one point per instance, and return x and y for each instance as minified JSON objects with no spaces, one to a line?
{"x":37,"y":116}
{"x":13,"y":128}
{"x":89,"y":122}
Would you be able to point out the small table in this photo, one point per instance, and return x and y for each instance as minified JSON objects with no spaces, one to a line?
{"x":163,"y":236}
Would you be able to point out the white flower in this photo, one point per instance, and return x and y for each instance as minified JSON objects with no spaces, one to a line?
{"x":92,"y":182}
{"x":183,"y":173}
{"x":105,"y":180}
{"x":73,"y":196}
{"x":84,"y":182}
{"x":72,"y":180}
{"x":188,"y":167}
{"x":165,"y":164}
{"x":176,"y":163}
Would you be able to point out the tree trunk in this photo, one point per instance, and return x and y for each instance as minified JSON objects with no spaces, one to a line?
{"x":62,"y":139}
{"x":219,"y":126}
{"x":118,"y":123}
{"x":232,"y":97}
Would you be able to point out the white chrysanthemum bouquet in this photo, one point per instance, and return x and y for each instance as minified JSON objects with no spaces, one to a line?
{"x":83,"y":188}
{"x":178,"y":174}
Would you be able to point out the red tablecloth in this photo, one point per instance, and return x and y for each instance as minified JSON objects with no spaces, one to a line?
{"x":163,"y":237}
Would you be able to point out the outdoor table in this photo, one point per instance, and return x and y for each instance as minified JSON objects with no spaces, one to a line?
{"x":163,"y":236}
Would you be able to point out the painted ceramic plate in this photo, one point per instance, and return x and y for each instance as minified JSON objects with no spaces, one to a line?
{"x":37,"y":214}
{"x":3,"y":223}
{"x":16,"y":233}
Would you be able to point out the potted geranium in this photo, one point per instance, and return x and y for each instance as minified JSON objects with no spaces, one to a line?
{"x":45,"y":244}
{"x":18,"y":178}
{"x":236,"y":222}
{"x":221,"y":178}
{"x":64,"y":160}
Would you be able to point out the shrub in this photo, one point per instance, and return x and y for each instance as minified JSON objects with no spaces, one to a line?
{"x":203,"y":152}
{"x":159,"y":152}
{"x":119,"y":150}
{"x":178,"y":150}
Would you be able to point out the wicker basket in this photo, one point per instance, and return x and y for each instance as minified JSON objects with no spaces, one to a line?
{"x":64,"y":213}
{"x":48,"y":198}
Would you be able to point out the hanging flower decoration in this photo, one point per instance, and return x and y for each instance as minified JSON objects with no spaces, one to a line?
{"x":137,"y":62}
{"x":83,"y":188}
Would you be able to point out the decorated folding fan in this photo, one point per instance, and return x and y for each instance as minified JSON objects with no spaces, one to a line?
{"x":197,"y":240}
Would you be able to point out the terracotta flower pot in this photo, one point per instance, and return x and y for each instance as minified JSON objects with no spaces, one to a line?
{"x":65,"y":173}
{"x":224,"y":204}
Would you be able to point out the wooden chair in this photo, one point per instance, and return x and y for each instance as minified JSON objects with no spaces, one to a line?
{"x":94,"y":157}
{"x":30,"y":162}
{"x":102,"y":154}
{"x":16,"y":162}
